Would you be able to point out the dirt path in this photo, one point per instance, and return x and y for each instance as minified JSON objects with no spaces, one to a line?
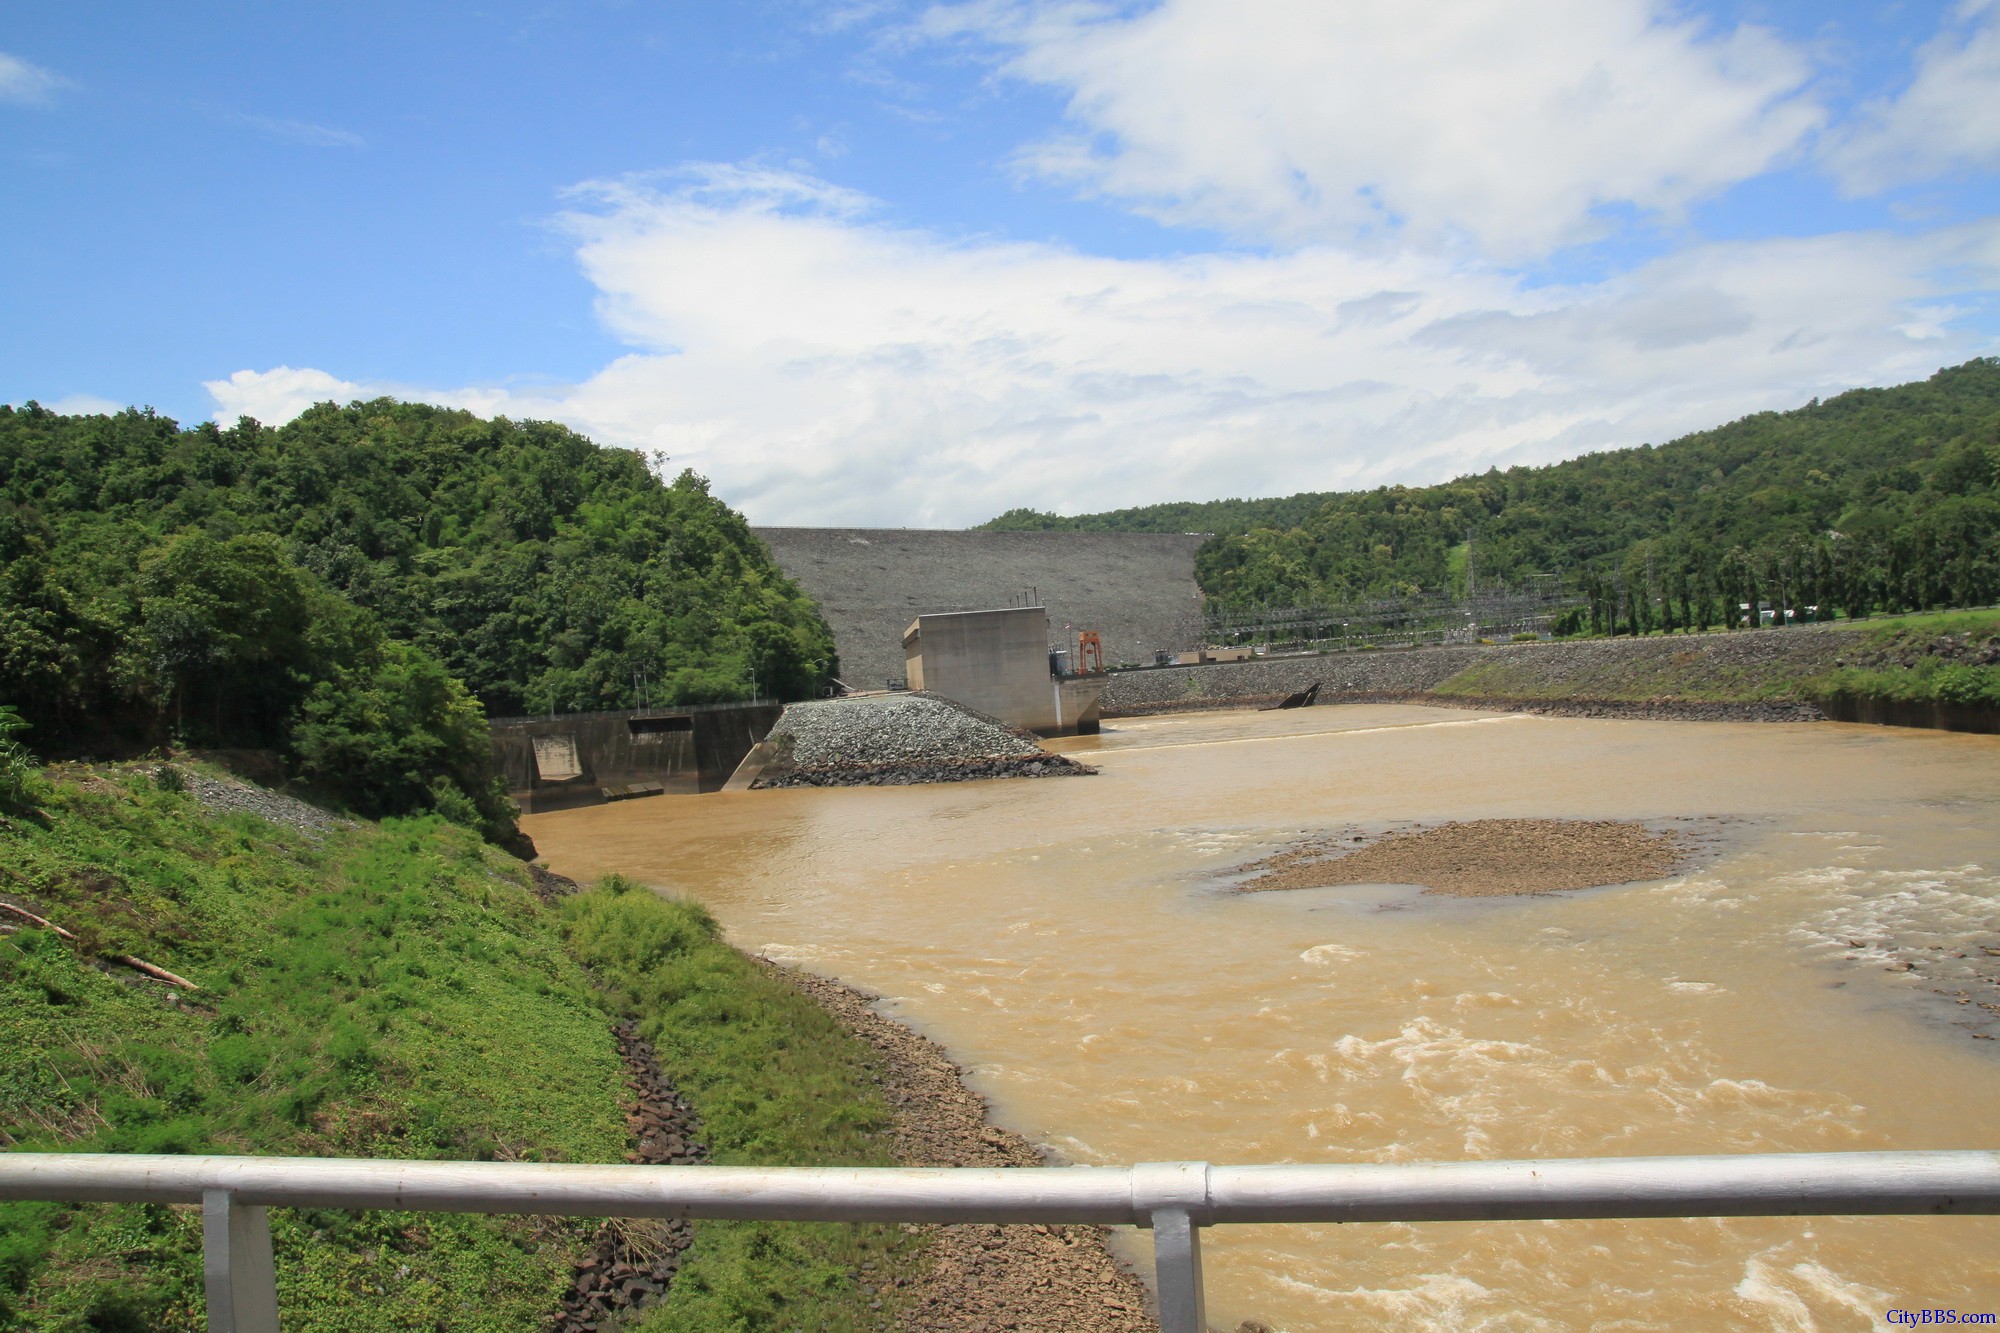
{"x":1061,"y":1279}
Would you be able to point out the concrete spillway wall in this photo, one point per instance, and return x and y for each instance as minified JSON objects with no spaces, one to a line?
{"x":1135,"y":589}
{"x":1909,"y":713}
{"x":555,"y":763}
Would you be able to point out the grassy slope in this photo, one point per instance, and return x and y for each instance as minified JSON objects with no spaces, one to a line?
{"x":387,"y":990}
{"x":1905,"y":657}
{"x":1676,"y":674}
{"x":1933,"y":658}
{"x":776,"y":1081}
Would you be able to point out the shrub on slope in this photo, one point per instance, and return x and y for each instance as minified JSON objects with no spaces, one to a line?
{"x":226,"y":643}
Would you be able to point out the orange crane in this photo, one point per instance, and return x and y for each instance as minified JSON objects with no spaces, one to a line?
{"x":1089,"y":652}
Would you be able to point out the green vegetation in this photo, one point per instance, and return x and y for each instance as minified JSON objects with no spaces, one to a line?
{"x":776,"y":1082}
{"x":350,"y":589}
{"x":1683,"y":676}
{"x":1934,"y":659}
{"x":227,"y":643}
{"x":390,"y":991}
{"x":1280,"y":512}
{"x":1879,"y":499}
{"x":20,"y":782}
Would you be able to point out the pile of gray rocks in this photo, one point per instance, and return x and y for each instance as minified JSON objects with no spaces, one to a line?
{"x":899,"y":739}
{"x":242,"y":798}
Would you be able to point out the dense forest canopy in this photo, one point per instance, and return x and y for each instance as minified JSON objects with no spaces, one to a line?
{"x":1879,"y":496}
{"x":351,"y":587}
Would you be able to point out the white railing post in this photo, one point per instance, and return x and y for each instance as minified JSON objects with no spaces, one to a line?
{"x":236,"y":1265}
{"x":1172,"y":1199}
{"x":1177,"y":1270}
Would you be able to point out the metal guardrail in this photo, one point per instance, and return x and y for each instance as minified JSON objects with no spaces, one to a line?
{"x":1174,"y":1199}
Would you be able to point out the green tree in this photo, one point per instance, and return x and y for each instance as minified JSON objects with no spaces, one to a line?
{"x":544,"y":571}
{"x":1914,"y":469}
{"x":224,"y":625}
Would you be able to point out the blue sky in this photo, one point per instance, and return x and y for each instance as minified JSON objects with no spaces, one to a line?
{"x":876,"y":262}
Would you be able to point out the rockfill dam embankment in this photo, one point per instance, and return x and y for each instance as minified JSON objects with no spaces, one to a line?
{"x":1751,"y":675}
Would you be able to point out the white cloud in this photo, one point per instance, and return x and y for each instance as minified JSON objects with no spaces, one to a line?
{"x":824,"y":369}
{"x":277,"y":395}
{"x":84,"y":405}
{"x":1947,"y":120}
{"x":21,"y":81}
{"x":1511,"y":124}
{"x":301,"y":132}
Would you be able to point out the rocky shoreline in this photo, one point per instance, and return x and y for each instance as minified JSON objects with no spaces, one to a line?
{"x":1661,"y":710}
{"x":933,"y":770}
{"x":1035,"y":1279}
{"x":980,"y":1279}
{"x":1639,"y":710}
{"x":898,"y":741}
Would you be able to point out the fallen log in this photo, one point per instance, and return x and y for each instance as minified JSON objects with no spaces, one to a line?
{"x":136,"y":964}
{"x":34,"y":920}
{"x":157,"y":973}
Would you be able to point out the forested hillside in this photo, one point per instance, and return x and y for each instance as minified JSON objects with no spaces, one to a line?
{"x":348,"y":589}
{"x":1879,"y":498}
{"x":1283,"y":511}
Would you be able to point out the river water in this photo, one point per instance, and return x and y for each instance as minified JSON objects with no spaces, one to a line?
{"x":1075,"y":943}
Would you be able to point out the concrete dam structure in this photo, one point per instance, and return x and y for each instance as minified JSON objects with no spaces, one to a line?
{"x":1137,"y":590}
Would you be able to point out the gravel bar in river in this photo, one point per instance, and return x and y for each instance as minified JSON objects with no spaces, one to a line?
{"x":1481,"y":858}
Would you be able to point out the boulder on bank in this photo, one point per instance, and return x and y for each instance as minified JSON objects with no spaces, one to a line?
{"x":894,"y":740}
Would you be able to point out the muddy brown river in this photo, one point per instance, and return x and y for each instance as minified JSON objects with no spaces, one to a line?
{"x":1075,"y":942}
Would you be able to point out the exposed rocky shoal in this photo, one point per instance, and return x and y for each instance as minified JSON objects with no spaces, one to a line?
{"x":1038,"y":765}
{"x":1482,"y":857}
{"x":899,"y":739}
{"x":890,"y":728}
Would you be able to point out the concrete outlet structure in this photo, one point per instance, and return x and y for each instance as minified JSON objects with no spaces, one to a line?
{"x":554,"y":763}
{"x":998,"y":662}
